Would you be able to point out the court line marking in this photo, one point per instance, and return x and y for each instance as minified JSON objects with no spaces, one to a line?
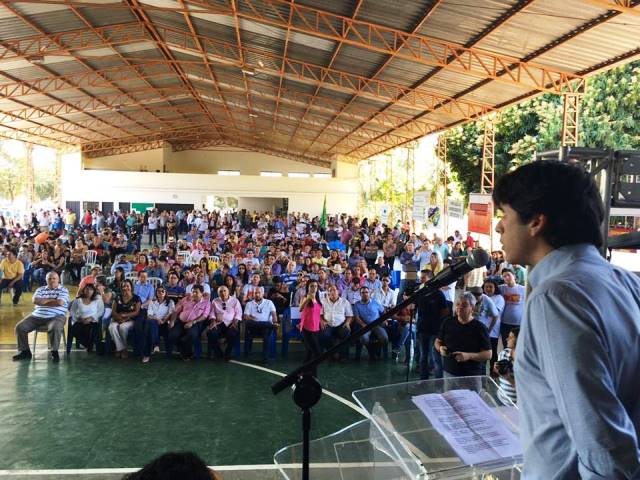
{"x":221,"y":468}
{"x":335,"y":396}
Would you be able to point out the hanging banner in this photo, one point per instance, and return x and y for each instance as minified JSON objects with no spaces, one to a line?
{"x":433,"y":216}
{"x":480,"y":213}
{"x":420,"y":205}
{"x":456,"y":209}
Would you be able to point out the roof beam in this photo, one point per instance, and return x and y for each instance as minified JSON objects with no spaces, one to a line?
{"x":87,"y":105}
{"x":151,"y":30}
{"x":121,"y":57}
{"x":622,"y":6}
{"x":384,"y":65}
{"x":334,"y":55}
{"x":180,"y":134}
{"x":260,"y":89}
{"x":588,"y":25}
{"x":209,"y":68}
{"x":501,"y":20}
{"x":253,"y":147}
{"x":407,"y":46}
{"x":36,"y":27}
{"x":230,"y":54}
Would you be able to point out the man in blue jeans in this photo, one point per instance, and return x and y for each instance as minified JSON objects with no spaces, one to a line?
{"x":432,"y":310}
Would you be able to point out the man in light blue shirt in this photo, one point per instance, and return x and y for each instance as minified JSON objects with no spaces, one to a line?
{"x":578,"y":359}
{"x":121,"y":261}
{"x":365,"y":311}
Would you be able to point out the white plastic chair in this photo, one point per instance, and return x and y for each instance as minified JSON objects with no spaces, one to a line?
{"x":44,"y":329}
{"x":155,"y":281}
{"x":90,"y":257}
{"x":186,"y":257}
{"x":131,"y":276}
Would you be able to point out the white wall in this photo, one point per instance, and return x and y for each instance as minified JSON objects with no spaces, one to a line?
{"x":304,"y":194}
{"x":150,"y":160}
{"x":259,"y":204}
{"x":201,"y":161}
{"x":229,"y":158}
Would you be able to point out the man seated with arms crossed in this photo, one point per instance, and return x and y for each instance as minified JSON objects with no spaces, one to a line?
{"x":336,"y":320}
{"x":189,"y":313}
{"x":225,"y":318}
{"x":261,"y":319}
{"x":51,"y":304}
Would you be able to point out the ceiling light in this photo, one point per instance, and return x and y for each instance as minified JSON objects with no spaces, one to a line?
{"x":248,"y":70}
{"x":261,"y":63}
{"x":253,"y":115}
{"x":37,"y":59}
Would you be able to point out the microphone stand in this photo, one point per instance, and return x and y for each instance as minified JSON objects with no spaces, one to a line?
{"x":307,"y":389}
{"x":411,"y":341}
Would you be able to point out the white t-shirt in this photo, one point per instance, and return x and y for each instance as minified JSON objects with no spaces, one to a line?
{"x":262,"y":311}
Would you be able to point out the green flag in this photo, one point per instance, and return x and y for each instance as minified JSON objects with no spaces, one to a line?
{"x":323,"y":217}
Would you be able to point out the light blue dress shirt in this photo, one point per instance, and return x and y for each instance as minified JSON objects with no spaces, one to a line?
{"x":578,"y":369}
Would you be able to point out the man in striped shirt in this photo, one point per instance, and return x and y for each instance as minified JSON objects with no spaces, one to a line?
{"x":51,"y":303}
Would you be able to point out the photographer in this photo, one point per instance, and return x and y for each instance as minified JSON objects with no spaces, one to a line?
{"x":504,"y":368}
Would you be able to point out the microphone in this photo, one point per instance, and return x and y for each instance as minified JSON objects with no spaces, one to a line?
{"x":476,"y":259}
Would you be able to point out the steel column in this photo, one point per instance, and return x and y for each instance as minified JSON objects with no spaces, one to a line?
{"x":488,"y":156}
{"x":570,"y":119}
{"x":443,"y":180}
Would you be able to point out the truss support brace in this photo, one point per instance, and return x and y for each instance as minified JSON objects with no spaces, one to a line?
{"x":488,"y":156}
{"x":570,"y":119}
{"x":443,"y":180}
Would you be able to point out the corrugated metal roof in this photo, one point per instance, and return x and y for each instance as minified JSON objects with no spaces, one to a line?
{"x":561,"y":35}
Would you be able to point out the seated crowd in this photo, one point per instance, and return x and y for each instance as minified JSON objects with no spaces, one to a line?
{"x":208,"y":273}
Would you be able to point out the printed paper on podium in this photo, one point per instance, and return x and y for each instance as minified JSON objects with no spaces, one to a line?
{"x":476,"y":433}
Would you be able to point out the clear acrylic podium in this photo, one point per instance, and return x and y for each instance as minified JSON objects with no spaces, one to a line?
{"x":397,"y":441}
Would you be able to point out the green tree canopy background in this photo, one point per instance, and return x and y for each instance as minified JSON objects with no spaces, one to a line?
{"x":609,"y":117}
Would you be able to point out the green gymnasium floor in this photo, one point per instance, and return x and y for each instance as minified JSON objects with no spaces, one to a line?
{"x":100,"y":412}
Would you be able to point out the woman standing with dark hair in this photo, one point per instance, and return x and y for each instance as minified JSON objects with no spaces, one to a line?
{"x":310,"y":312}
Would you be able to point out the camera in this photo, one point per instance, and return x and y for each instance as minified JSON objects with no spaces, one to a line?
{"x":504,"y":367}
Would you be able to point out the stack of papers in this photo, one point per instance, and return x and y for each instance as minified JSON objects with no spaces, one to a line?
{"x":474,"y":430}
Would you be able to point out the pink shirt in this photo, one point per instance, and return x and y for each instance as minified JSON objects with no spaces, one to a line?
{"x":228,"y":311}
{"x":188,"y":310}
{"x":310,"y":317}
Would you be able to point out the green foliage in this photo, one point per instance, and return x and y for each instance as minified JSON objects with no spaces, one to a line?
{"x":609,"y":117}
{"x":12,"y":176}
